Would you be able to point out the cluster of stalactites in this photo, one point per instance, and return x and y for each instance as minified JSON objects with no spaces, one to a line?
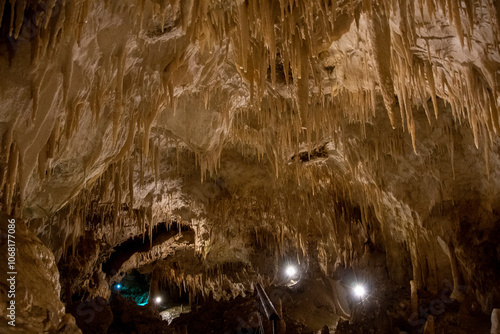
{"x":288,"y":34}
{"x":109,"y":199}
{"x":283,"y":39}
{"x":50,"y":20}
{"x":270,"y":41}
{"x":471,"y":93}
{"x":335,"y":215}
{"x":43,"y":23}
{"x":219,"y":281}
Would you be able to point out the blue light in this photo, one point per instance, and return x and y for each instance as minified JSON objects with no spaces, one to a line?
{"x":141,"y":302}
{"x":118,"y":286}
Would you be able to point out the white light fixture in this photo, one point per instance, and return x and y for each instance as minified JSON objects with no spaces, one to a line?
{"x":291,"y":271}
{"x":158,"y":300}
{"x":359,"y":291}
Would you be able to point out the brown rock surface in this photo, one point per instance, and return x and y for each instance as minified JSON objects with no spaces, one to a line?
{"x":341,"y":136}
{"x":36,"y":286}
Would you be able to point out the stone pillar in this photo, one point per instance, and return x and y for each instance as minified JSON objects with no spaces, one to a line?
{"x":312,"y":249}
{"x":282,"y":324}
{"x":495,"y":321}
{"x":457,"y":275}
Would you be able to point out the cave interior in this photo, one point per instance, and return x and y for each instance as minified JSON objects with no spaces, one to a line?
{"x":250,"y":166}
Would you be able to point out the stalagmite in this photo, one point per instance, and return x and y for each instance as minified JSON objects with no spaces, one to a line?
{"x":495,"y":321}
{"x":282,"y":323}
{"x":414,"y":297}
{"x":457,"y":275}
{"x":429,"y":325}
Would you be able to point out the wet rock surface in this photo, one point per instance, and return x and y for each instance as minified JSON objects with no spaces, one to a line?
{"x":210,"y":144}
{"x":33,"y":284}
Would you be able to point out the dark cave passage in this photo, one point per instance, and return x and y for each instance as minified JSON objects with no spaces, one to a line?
{"x":121,"y":253}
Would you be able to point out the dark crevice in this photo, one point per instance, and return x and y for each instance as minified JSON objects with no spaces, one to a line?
{"x":121,"y":253}
{"x":319,"y":152}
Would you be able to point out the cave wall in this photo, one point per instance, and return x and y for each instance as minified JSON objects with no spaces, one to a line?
{"x":357,"y":133}
{"x":33,"y":286}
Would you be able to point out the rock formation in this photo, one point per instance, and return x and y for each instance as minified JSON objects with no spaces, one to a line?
{"x":210,"y":143}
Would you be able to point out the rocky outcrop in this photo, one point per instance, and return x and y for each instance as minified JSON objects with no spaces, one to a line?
{"x":31,"y":286}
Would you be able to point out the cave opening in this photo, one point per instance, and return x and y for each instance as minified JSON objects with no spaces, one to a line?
{"x":135,"y":286}
{"x":139,"y":244}
{"x":168,"y":299}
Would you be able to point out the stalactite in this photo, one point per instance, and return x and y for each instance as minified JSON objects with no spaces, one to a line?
{"x":131,"y":164}
{"x":20,"y":8}
{"x":380,"y":33}
{"x":12,"y":16}
{"x":49,"y":9}
{"x":486,"y":145}
{"x":67,"y":74}
{"x":157,"y":162}
{"x":117,"y":192}
{"x":244,"y":35}
{"x":2,"y":8}
{"x":432,"y":87}
{"x":56,"y":30}
{"x":13,"y":164}
{"x":186,"y":13}
{"x":149,"y":212}
{"x":118,"y":108}
{"x":494,"y":111}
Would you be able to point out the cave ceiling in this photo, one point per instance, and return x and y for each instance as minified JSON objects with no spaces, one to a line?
{"x":328,"y":129}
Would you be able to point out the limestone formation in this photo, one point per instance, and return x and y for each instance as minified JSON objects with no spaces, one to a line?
{"x":429,"y":325}
{"x":33,"y":286}
{"x":206,"y":145}
{"x":495,"y":321}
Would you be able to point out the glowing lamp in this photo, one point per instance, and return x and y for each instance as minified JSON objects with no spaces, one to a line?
{"x":118,"y":286}
{"x":291,"y":271}
{"x":359,"y":291}
{"x":158,"y":300}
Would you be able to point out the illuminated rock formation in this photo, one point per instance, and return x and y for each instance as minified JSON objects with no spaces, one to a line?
{"x":219,"y":139}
